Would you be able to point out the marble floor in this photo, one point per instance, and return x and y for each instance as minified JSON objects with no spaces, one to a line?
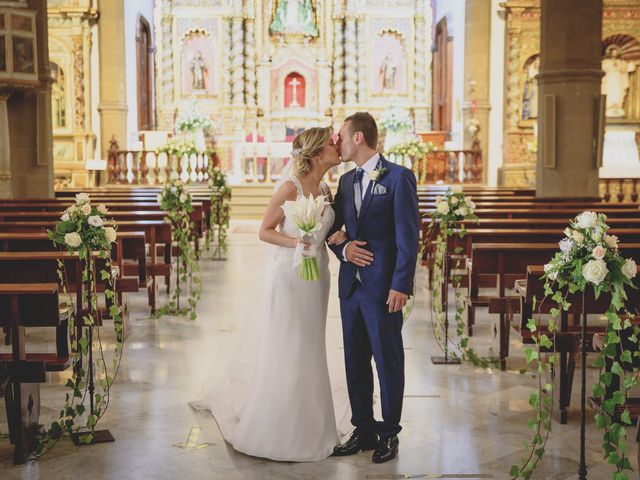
{"x":459,"y":421}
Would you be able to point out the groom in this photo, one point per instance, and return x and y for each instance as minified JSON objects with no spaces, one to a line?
{"x":377,"y":202}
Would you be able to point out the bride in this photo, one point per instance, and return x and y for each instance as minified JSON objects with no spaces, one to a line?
{"x":286,"y":411}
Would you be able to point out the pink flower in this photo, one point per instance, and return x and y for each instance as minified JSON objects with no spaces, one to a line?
{"x":599,"y":252}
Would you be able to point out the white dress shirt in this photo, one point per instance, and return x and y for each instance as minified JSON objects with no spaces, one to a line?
{"x":368,"y":167}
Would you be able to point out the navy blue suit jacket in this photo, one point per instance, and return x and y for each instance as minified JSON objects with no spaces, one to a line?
{"x":389,"y":222}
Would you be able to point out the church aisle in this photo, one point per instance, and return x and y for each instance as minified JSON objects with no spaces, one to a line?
{"x":457,"y":420}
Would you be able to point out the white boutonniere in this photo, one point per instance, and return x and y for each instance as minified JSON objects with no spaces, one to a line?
{"x":377,"y":174}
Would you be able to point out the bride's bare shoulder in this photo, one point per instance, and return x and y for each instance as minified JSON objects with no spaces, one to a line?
{"x":286,"y":191}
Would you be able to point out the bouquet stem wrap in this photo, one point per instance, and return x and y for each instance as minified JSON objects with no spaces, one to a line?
{"x":305,"y":213}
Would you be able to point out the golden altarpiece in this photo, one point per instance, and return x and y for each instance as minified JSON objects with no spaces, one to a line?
{"x":264,"y":69}
{"x":620,"y":38}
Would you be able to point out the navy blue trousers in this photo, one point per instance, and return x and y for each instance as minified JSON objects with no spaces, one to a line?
{"x":369,"y":330}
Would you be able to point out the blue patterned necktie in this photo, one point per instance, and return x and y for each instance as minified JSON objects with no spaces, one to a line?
{"x":357,"y":189}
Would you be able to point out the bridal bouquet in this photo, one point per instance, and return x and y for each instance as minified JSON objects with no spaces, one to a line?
{"x":305,"y":213}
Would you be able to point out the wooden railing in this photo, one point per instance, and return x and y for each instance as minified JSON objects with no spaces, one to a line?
{"x":148,"y":168}
{"x":619,"y":189}
{"x":450,"y":166}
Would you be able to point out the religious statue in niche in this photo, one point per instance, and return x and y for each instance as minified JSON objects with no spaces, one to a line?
{"x":58,"y":97}
{"x":530,"y":89}
{"x":197,"y":65}
{"x":294,"y":91}
{"x":388,"y":73}
{"x":294,"y":17}
{"x":389,"y":66}
{"x":198,"y":71}
{"x":616,"y":80}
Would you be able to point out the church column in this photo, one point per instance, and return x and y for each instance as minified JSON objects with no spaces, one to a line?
{"x":164,"y":73}
{"x":5,"y":149}
{"x":361,"y":32}
{"x":338,"y":63}
{"x":113,"y":82}
{"x":237,"y":61}
{"x":250,"y":55}
{"x":569,"y":86}
{"x":422,"y":59}
{"x":351,"y":62}
{"x":477,"y":50}
{"x":226,"y":61}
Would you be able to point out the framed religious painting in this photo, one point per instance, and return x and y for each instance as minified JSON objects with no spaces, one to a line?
{"x":18,"y":47}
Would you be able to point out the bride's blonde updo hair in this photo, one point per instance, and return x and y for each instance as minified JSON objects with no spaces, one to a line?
{"x":307,"y":145}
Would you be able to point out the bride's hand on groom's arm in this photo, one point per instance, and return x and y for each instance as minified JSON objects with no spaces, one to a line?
{"x":396,"y":301}
{"x":337,"y":238}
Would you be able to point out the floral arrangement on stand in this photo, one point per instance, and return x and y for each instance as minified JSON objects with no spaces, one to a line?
{"x":175,"y":200}
{"x":85,"y":230}
{"x":589,"y":259}
{"x":221,"y":198}
{"x":180,"y":147}
{"x":415,"y":149}
{"x":451,"y":210}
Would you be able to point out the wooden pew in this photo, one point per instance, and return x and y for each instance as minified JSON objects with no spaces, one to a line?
{"x":23,"y":306}
{"x":157,"y":234}
{"x":506,"y":262}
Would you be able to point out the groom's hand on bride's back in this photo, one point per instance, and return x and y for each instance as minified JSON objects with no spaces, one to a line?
{"x":357,"y":255}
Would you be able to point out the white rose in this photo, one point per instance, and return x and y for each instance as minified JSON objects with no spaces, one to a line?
{"x":611,"y":241}
{"x":597,"y":236}
{"x":174,"y":176}
{"x":595,"y":271}
{"x":629,"y":269}
{"x":454,"y":200}
{"x":565,"y":244}
{"x":568,"y":232}
{"x":102,"y":209}
{"x":72,"y":239}
{"x":587,"y":219}
{"x":461,"y":211}
{"x":178,"y":183}
{"x":174,"y":189}
{"x":71,"y":210}
{"x":598,"y":252}
{"x":110,"y":234}
{"x":65,"y":217}
{"x":86,"y":209}
{"x":95,"y":221}
{"x":443,"y":208}
{"x":551,"y":274}
{"x":183,"y":197}
{"x":82,"y":198}
{"x":456,"y":188}
{"x":578,"y":237}
{"x":470,"y":205}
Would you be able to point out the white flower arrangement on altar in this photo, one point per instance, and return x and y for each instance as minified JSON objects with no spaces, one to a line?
{"x":396,"y":119}
{"x":193,"y":119}
{"x":305,"y":213}
{"x":412,"y":146}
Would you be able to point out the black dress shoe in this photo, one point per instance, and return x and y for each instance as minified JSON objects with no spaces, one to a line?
{"x":357,"y":442}
{"x":386,"y":450}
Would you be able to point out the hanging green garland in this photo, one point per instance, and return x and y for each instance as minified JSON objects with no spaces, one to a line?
{"x":175,"y":200}
{"x":85,"y":230}
{"x":451,"y":210}
{"x":221,"y":196}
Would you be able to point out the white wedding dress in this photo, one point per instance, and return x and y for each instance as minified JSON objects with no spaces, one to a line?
{"x":284,"y":409}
